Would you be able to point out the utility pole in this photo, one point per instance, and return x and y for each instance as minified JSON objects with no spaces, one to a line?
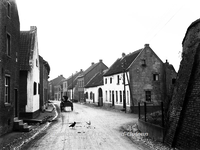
{"x":124,"y":96}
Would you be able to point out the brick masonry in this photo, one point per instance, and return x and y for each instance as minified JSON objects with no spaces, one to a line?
{"x":183,"y":130}
{"x":8,"y":64}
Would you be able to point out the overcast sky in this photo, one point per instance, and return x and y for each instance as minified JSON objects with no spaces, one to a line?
{"x":74,"y":33}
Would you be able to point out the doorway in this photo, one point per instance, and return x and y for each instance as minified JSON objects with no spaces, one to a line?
{"x":16,"y":102}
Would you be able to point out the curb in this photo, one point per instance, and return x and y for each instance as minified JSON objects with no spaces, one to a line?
{"x":41,"y":130}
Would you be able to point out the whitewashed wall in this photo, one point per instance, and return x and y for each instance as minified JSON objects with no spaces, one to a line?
{"x":94,"y":90}
{"x":33,"y":76}
{"x":115,"y":87}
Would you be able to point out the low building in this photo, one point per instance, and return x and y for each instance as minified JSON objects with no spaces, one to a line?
{"x":137,"y":77}
{"x":29,"y":74}
{"x":54,"y":87}
{"x":83,"y":78}
{"x":44,"y":75}
{"x":93,"y":89}
{"x":70,"y":86}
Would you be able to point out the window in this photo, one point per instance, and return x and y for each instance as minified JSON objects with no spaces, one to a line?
{"x":173,"y":81}
{"x":8,"y":44}
{"x":155,"y":77}
{"x":118,"y":79}
{"x":110,"y":80}
{"x":16,"y":56}
{"x":106,"y":96}
{"x":7,"y":89}
{"x":105,"y":80}
{"x":91,"y":95}
{"x":86,"y":95}
{"x":110,"y":96}
{"x":148,"y":95}
{"x":116,"y":97}
{"x":36,"y":63}
{"x":8,"y":10}
{"x":120,"y":94}
{"x":143,"y":62}
{"x":34,"y":88}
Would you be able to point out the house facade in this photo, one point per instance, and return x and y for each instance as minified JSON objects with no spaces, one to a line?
{"x":140,"y":76}
{"x":86,"y":76}
{"x":150,"y":78}
{"x":44,"y":75}
{"x":58,"y":94}
{"x":54,"y":87}
{"x":70,"y":86}
{"x":9,"y":74}
{"x":116,"y":82}
{"x":29,"y":74}
{"x":93,"y":89}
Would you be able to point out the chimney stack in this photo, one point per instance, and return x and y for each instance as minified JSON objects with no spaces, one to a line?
{"x":123,"y":54}
{"x":100,"y":60}
{"x":146,"y":45}
{"x":33,"y":28}
{"x":92,"y":63}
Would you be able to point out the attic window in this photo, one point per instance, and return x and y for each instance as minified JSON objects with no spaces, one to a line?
{"x":173,"y":81}
{"x":155,"y":77}
{"x":143,"y":62}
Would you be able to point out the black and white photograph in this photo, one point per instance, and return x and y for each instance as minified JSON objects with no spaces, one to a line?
{"x":99,"y":75}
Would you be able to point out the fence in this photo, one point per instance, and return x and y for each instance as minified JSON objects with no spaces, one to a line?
{"x":152,"y":114}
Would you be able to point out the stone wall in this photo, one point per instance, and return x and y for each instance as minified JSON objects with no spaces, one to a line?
{"x":183,"y":130}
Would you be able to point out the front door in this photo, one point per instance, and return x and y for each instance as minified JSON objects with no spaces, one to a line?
{"x":113,"y":98}
{"x":16,"y":103}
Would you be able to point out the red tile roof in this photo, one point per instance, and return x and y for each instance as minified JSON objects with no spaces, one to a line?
{"x":118,"y":67}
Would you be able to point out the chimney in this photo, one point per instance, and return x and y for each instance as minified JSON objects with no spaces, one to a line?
{"x":146,"y":45}
{"x":100,"y":60}
{"x":92,"y":63}
{"x":123,"y":54}
{"x":33,"y":28}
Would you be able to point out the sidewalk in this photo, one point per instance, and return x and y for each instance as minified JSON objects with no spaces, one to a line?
{"x":15,"y":140}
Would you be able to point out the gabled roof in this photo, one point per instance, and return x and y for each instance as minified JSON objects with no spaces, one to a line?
{"x":57,"y":80}
{"x":27,"y":43}
{"x":118,"y":67}
{"x":89,"y":69}
{"x":96,"y":80}
{"x":74,"y":79}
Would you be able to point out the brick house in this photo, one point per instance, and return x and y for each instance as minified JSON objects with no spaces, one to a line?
{"x":9,"y":74}
{"x":144,"y":75}
{"x":29,"y":74}
{"x":70,"y":86}
{"x":148,"y":76}
{"x":86,"y":76}
{"x":93,"y":89}
{"x":44,"y":75}
{"x":58,"y":90}
{"x":53,"y":87}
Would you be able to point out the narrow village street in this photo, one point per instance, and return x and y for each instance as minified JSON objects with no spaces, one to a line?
{"x":103,"y":133}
